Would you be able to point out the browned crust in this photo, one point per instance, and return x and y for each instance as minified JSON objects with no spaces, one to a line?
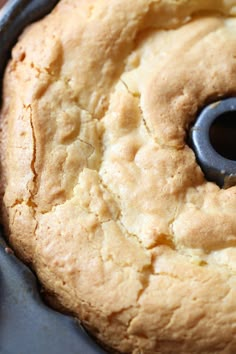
{"x":101,"y":193}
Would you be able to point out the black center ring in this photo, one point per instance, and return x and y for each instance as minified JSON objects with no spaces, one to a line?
{"x":213,"y":139}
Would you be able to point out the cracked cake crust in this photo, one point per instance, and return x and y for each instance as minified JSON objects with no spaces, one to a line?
{"x":102,"y":195}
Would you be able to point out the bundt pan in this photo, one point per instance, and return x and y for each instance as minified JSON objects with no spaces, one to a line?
{"x":27,"y":325}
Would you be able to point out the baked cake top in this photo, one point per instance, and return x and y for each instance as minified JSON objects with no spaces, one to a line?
{"x":102,"y":194}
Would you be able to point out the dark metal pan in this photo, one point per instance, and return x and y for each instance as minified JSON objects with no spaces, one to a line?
{"x":27,"y":325}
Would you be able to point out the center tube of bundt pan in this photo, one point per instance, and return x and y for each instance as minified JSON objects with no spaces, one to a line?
{"x":213,"y":139}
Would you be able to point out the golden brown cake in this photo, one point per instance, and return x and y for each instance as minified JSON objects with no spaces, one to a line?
{"x":102,"y":194}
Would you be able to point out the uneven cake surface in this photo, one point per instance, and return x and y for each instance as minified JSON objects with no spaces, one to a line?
{"x":102,"y":194}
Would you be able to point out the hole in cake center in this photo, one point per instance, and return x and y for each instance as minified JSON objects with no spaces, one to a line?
{"x":222,"y":135}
